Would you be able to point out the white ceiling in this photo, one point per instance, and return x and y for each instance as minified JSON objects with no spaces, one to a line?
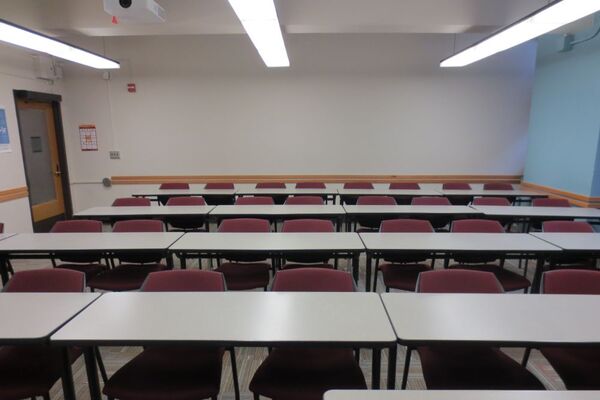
{"x":87,"y":17}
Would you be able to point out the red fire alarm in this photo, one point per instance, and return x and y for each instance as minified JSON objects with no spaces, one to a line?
{"x":131,"y":87}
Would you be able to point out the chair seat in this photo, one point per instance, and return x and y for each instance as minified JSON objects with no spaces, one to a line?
{"x":579,"y":367}
{"x":474,"y":368}
{"x":28,"y":371}
{"x":402,"y":276}
{"x":168,"y":373}
{"x":124,"y":277}
{"x":306,"y":374}
{"x":296,"y":266}
{"x":243,"y":276}
{"x":90,"y":270}
{"x":509,"y":280}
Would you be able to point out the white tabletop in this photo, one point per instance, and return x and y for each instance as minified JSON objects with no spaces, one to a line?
{"x":6,"y":235}
{"x":192,"y":191}
{"x":411,"y":210}
{"x":493,"y":193}
{"x":105,"y":241}
{"x":459,"y":395}
{"x":268,"y":241}
{"x":277,"y":210}
{"x":572,"y":241}
{"x":558,"y":212}
{"x":508,"y":242}
{"x":286,"y":192}
{"x":231,"y":318}
{"x":151,"y":211}
{"x":35,"y":316}
{"x":502,"y":319}
{"x":388,"y":192}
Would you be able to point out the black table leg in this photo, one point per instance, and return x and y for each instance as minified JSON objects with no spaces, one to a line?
{"x":355,"y":261}
{"x":4,"y":270}
{"x":92,"y":373}
{"x":392,"y":354}
{"x":68,"y":386}
{"x":406,"y":368}
{"x":183,"y":261}
{"x":368,"y":272}
{"x":169,"y":258}
{"x":376,"y":377}
{"x":537,"y":276}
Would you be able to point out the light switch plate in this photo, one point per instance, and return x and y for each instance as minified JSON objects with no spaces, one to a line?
{"x":115,"y":155}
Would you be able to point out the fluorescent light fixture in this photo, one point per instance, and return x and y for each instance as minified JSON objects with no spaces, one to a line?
{"x":259,"y":19}
{"x":546,"y":19}
{"x":24,"y":37}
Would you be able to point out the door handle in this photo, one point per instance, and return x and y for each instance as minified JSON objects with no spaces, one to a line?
{"x":57,"y":171}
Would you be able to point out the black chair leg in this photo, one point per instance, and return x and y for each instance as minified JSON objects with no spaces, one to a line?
{"x":256,"y":396}
{"x":236,"y":384}
{"x":101,"y":365}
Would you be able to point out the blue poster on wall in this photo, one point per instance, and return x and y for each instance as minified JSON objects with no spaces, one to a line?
{"x":4,"y":138}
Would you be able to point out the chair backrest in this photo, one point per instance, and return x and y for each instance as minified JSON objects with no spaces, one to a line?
{"x":376,"y":201}
{"x":476,"y":226}
{"x":313,"y":280}
{"x":254,"y":201}
{"x":139,"y":225}
{"x":458,"y":281}
{"x":46,"y":281}
{"x":358,"y":185}
{"x":131,"y":202}
{"x":271,"y":185}
{"x":304,"y":200}
{"x":456,"y":186}
{"x":1,"y":227}
{"x":571,"y":281}
{"x":77,"y":226}
{"x":219,"y":185}
{"x":184,"y":281}
{"x":430,"y":201}
{"x":244,"y":225}
{"x":186,"y":201}
{"x":497,"y":186}
{"x":307,"y":225}
{"x":311,"y":185}
{"x":174,"y":185}
{"x":550,"y":202}
{"x":491,"y":201}
{"x":404,"y":186}
{"x":405,"y":225}
{"x":567,"y":226}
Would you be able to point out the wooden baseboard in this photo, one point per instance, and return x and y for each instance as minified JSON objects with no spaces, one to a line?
{"x":136,"y":180}
{"x":13,"y":194}
{"x":574,"y":198}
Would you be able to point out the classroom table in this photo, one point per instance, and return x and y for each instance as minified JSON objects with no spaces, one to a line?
{"x":519,"y":245}
{"x":579,"y":244}
{"x":328,"y":193}
{"x":192,"y":191}
{"x":515,"y":193}
{"x":459,"y":395}
{"x":227,"y":319}
{"x":30,"y":318}
{"x":500,"y":320}
{"x":151,"y":212}
{"x":6,"y":235}
{"x":402,"y":195}
{"x":272,"y":245}
{"x":275,"y":213}
{"x":47,"y":245}
{"x":526,"y":214}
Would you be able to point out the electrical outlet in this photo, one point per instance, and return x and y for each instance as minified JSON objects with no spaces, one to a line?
{"x":115,"y":155}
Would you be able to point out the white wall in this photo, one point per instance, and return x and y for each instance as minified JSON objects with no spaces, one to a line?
{"x":350,"y":104}
{"x":16,"y":73}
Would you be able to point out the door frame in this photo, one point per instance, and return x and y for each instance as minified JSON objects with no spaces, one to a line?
{"x":54,"y":100}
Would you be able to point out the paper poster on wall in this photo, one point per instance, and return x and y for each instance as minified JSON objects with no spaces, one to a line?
{"x":4,"y":138}
{"x":88,"y":138}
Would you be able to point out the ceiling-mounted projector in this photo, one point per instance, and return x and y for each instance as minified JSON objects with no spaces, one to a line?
{"x":135,"y":10}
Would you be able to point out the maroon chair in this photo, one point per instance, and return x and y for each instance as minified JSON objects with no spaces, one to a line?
{"x":133,"y":268}
{"x":29,"y":371}
{"x":254,"y":201}
{"x":498,"y":186}
{"x":312,"y":259}
{"x":219,"y":186}
{"x":491,"y":201}
{"x":567,"y":260}
{"x":458,"y":200}
{"x":304,"y":200}
{"x":310,"y":185}
{"x":305,"y":373}
{"x":88,"y":263}
{"x":460,"y":367}
{"x":438,"y":221}
{"x":8,"y":264}
{"x":131,"y":202}
{"x":351,"y":200}
{"x":550,"y":202}
{"x":401,"y":270}
{"x":510,"y":280}
{"x":271,"y":185}
{"x":578,"y":367}
{"x":371,"y":223}
{"x":404,"y":186}
{"x":187,"y":223}
{"x":245,"y":271}
{"x":167,"y":372}
{"x":174,"y":186}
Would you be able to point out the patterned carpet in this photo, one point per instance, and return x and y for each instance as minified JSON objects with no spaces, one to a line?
{"x":249,"y":359}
